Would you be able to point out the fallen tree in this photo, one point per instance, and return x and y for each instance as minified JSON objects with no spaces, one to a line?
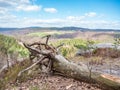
{"x":61,"y":66}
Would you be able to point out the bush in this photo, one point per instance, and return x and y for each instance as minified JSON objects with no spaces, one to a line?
{"x":71,"y":46}
{"x":9,"y":45}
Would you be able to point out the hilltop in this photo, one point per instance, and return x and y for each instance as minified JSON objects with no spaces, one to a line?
{"x":56,"y":28}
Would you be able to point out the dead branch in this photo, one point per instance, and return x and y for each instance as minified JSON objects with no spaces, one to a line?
{"x":60,"y":64}
{"x":59,"y":46}
{"x":36,"y":51}
{"x":48,"y":36}
{"x":31,"y":66}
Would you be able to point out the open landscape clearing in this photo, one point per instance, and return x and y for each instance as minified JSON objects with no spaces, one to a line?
{"x":59,"y":44}
{"x":101,"y":61}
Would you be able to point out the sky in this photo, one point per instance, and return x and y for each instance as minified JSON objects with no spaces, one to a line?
{"x":60,"y":13}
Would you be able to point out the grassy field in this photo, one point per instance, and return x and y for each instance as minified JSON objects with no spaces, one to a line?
{"x":41,"y":34}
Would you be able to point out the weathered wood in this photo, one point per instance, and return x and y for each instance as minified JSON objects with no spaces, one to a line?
{"x":31,"y":66}
{"x":80,"y":72}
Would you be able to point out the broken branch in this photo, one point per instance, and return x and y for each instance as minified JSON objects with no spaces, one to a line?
{"x":31,"y":66}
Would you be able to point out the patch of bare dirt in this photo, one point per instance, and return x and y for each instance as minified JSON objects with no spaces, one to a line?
{"x":107,"y":52}
{"x":45,"y":82}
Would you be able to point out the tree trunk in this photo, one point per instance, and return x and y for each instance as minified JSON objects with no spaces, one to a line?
{"x":62,"y":66}
{"x":82,"y":73}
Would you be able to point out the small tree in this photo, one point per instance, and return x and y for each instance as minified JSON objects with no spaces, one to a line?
{"x":4,"y":50}
{"x":5,"y":44}
{"x":89,"y":47}
{"x":116,"y":43}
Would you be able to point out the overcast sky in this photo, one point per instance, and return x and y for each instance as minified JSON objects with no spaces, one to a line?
{"x":60,"y":13}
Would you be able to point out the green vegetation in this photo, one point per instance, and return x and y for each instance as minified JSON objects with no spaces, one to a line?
{"x":116,"y":43}
{"x":43,"y":87}
{"x":117,"y":35}
{"x":34,"y":88}
{"x":71,"y":46}
{"x":11,"y":74}
{"x":9,"y":45}
{"x":41,"y":34}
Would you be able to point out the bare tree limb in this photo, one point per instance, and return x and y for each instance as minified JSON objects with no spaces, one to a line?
{"x":69,"y":69}
{"x":35,"y":51}
{"x":60,"y":45}
{"x":48,"y":36}
{"x":31,"y":66}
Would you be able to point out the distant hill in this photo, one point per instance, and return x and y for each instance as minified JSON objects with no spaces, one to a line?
{"x":57,"y":28}
{"x":7,"y":29}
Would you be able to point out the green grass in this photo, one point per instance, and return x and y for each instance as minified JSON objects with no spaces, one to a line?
{"x":71,"y":46}
{"x":10,"y":45}
{"x":41,"y":34}
{"x":11,"y":74}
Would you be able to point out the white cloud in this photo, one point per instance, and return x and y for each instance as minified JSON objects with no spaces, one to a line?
{"x":8,"y":8}
{"x":50,"y":10}
{"x":25,"y":5}
{"x":29,"y":7}
{"x":57,"y":22}
{"x":86,"y":15}
{"x":6,"y":17}
{"x":75,"y":18}
{"x":2,"y":12}
{"x":71,"y":17}
{"x":90,"y":14}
